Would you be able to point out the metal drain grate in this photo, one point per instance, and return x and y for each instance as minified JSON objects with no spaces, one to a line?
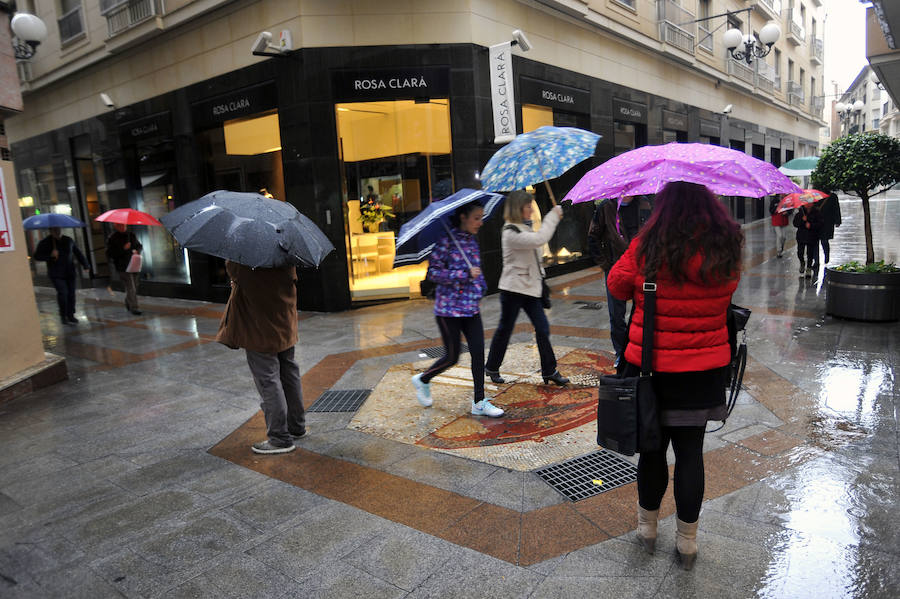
{"x":437,"y":352}
{"x":344,"y":400}
{"x":574,"y":478}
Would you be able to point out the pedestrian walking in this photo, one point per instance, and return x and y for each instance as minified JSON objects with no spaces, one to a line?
{"x":521,"y":283}
{"x":808,"y":221}
{"x":780,"y":221}
{"x":261,"y":317}
{"x":831,"y":218}
{"x":691,"y":249}
{"x":60,"y":252}
{"x":455,"y":268}
{"x":120,"y":247}
{"x":613,"y":225}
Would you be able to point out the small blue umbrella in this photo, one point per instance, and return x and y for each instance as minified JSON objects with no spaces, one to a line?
{"x":418,"y":236}
{"x":51,"y":219}
{"x":539,"y":155}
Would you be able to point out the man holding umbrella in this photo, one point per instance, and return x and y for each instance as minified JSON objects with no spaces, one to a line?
{"x":614,"y":224}
{"x":262,"y":240}
{"x":60,"y":252}
{"x":120,"y":246}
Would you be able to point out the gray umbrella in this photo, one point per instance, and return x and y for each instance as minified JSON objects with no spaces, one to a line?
{"x":248,"y":228}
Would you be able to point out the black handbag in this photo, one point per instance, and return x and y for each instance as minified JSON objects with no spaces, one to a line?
{"x":627,"y":409}
{"x":545,"y":295}
{"x":427,"y":287}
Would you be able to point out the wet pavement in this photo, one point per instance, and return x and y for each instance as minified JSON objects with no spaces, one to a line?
{"x":134,"y":478}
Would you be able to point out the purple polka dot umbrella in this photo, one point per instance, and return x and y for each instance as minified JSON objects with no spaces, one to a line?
{"x":646,"y":170}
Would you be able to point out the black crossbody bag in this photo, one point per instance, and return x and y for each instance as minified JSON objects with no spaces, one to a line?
{"x":627,"y":409}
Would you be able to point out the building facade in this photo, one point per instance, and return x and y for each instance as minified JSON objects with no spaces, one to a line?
{"x":381,"y":100}
{"x":879,"y":112}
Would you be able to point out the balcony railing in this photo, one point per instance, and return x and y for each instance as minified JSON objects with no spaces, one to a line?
{"x":817,"y":104}
{"x":777,"y":81}
{"x":796,"y":32}
{"x":817,"y":50}
{"x":773,"y":7}
{"x":765,"y":76}
{"x":672,"y":29}
{"x":126,"y":15}
{"x":795,"y":93}
{"x":739,"y":70}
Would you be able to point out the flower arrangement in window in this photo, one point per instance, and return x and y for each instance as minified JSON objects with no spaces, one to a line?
{"x":372,"y":212}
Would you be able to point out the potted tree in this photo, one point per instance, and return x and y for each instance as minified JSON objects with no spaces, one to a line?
{"x":866,"y":164}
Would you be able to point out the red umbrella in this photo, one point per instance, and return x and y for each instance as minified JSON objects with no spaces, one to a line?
{"x":127,"y":216}
{"x":800,"y":198}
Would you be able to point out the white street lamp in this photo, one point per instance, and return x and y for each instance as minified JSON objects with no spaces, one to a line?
{"x":29,"y":32}
{"x":747,"y":47}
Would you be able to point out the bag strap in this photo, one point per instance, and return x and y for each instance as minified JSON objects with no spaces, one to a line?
{"x":515,"y":229}
{"x":649,"y":322}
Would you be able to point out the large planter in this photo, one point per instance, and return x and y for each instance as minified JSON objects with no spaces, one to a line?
{"x":862,"y":295}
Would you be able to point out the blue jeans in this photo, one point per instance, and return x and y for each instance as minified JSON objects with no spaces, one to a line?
{"x":618,"y":332}
{"x":510,"y":304}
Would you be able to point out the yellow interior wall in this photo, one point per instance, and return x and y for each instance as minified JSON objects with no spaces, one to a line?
{"x":535,"y":116}
{"x":248,"y":137}
{"x":19,"y":323}
{"x":379,"y":129}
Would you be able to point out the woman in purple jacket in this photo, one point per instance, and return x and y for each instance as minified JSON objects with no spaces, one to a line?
{"x":455,"y":268}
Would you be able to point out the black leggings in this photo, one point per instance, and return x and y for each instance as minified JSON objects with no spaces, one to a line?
{"x":653,"y":472}
{"x":451,"y":327}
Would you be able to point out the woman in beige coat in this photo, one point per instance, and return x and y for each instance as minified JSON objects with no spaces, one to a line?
{"x":520,"y":285}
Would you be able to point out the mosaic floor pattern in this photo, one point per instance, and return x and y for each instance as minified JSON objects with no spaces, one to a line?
{"x":544,"y":424}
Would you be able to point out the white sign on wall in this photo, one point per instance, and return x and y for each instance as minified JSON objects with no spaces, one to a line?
{"x":6,"y":235}
{"x":502,"y":95}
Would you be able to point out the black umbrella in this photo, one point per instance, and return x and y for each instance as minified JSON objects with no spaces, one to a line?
{"x":248,"y":228}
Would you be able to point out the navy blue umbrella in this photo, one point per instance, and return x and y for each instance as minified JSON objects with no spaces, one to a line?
{"x":418,"y":236}
{"x":51,"y":219}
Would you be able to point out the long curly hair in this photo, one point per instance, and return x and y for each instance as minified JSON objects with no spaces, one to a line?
{"x":687,"y":219}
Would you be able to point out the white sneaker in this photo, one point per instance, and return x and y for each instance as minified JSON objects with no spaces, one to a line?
{"x":423,"y":390}
{"x":486,"y":408}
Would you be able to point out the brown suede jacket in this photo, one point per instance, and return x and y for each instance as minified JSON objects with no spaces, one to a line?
{"x":605,"y":244}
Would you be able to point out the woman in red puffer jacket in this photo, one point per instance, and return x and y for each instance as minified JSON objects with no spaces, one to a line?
{"x":691,"y":249}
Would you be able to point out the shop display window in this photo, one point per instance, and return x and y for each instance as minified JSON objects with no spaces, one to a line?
{"x":570,"y":240}
{"x":242,"y":155}
{"x":395,"y":160}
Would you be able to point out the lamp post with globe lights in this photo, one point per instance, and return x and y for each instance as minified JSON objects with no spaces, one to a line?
{"x":747,"y":47}
{"x":28,"y":31}
{"x":849,"y":111}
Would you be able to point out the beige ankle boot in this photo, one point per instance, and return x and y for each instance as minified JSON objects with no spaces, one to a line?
{"x":646,"y":530}
{"x":686,"y":542}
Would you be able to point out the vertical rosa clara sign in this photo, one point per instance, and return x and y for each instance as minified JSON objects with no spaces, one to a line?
{"x":6,"y":234}
{"x":502,"y":96}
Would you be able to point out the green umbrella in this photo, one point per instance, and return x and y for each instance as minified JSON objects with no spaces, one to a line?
{"x":799,"y":167}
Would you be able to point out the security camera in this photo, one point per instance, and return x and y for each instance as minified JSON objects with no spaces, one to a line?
{"x":107,"y":100}
{"x":519,"y":38}
{"x":263,"y":41}
{"x":727,"y":109}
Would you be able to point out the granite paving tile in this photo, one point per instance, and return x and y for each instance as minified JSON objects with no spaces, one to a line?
{"x":489,"y":529}
{"x":478,"y":576}
{"x":403,"y":558}
{"x":341,"y":579}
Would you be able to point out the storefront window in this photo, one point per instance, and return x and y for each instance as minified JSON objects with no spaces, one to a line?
{"x":50,"y":188}
{"x":243,"y":155}
{"x":569,"y":241}
{"x":396,"y":159}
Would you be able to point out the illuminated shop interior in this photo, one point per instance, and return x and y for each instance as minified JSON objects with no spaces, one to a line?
{"x":402,"y":151}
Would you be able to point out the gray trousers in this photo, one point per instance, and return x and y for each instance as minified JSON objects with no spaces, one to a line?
{"x":130,"y":280}
{"x":277,"y":379}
